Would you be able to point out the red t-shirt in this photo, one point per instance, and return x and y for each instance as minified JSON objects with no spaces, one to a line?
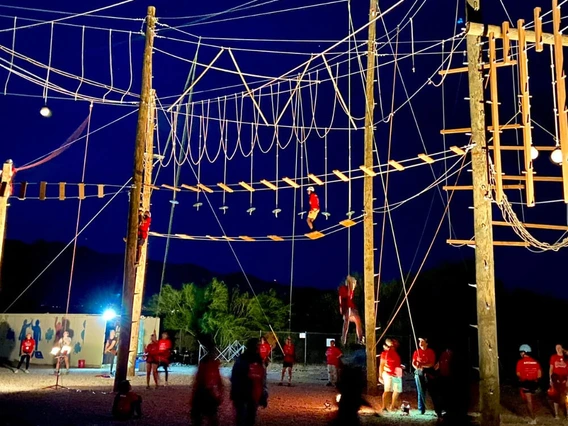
{"x":528,"y":369}
{"x":264,"y":350}
{"x":123,"y":404}
{"x":346,"y":296}
{"x":208,"y":377}
{"x":332,"y":355}
{"x":144,"y":227}
{"x":163,"y":353}
{"x":28,"y":346}
{"x":424,"y":357}
{"x":289,"y":353}
{"x":392,"y":361}
{"x":152,"y":351}
{"x":559,"y":365}
{"x":314,"y":201}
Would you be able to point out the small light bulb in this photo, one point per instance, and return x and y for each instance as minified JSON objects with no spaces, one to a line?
{"x":534,"y":153}
{"x":556,"y":156}
{"x":45,"y":112}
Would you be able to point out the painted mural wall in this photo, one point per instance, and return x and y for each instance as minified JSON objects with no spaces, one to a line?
{"x":88,"y":334}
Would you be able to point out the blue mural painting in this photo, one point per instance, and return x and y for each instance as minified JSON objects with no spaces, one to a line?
{"x":49,"y":334}
{"x":24,"y":329}
{"x":36,"y":332}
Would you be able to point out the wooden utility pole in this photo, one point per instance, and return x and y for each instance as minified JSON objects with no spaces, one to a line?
{"x":141,"y":269}
{"x":5,"y":192}
{"x":489,"y":394}
{"x":129,"y":283}
{"x":368,"y":220}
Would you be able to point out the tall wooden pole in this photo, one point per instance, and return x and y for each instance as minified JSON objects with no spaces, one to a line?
{"x":5,"y":192}
{"x":141,"y":269}
{"x":489,"y":399}
{"x":135,"y":197}
{"x":368,"y":221}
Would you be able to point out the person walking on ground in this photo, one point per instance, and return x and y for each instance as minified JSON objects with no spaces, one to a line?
{"x":248,"y":385}
{"x":390,"y":375}
{"x":151,"y":352}
{"x":26,"y":352}
{"x":164,"y":353}
{"x":528,"y":373}
{"x":333,"y":358}
{"x":288,"y":364}
{"x":423,"y":361}
{"x":207,"y":387}
{"x":558,"y":373}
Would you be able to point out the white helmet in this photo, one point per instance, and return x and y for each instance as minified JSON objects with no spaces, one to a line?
{"x":525,"y":348}
{"x":311,"y":189}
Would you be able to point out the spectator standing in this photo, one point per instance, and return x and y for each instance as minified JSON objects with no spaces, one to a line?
{"x":423,"y":361}
{"x":558,"y":373}
{"x":26,"y":352}
{"x":333,"y":358}
{"x":289,"y":358}
{"x":390,"y":375}
{"x":528,"y":373}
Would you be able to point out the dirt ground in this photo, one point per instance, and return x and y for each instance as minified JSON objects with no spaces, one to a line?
{"x":87,"y":400}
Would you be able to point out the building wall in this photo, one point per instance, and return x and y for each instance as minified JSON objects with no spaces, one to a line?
{"x":87,"y":333}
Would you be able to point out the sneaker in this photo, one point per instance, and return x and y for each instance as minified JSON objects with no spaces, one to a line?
{"x":532,"y":422}
{"x":289,"y":384}
{"x":26,"y":371}
{"x":328,"y":384}
{"x":16,"y":371}
{"x":280,"y":384}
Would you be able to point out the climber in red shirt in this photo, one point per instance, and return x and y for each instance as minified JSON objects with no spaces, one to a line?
{"x":314,"y":207}
{"x":558,"y":377}
{"x":289,"y":358}
{"x":26,"y":351}
{"x":163,"y":353}
{"x":349,"y":311}
{"x":529,"y":373}
{"x":144,"y":221}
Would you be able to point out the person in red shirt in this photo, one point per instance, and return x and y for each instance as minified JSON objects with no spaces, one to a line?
{"x":208,"y":387}
{"x":390,"y":375}
{"x":152,"y":360}
{"x":349,"y":311}
{"x":333,"y":357}
{"x":423,"y":361}
{"x":163,"y":354}
{"x":314,"y":208}
{"x":558,"y":376}
{"x":528,"y":373}
{"x":127,"y":404}
{"x":144,"y":222}
{"x":26,"y":352}
{"x":289,"y":358}
{"x":264,"y":350}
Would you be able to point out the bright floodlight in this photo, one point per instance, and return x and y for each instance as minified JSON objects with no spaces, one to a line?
{"x":556,"y":156}
{"x":109,"y":314}
{"x":45,"y":112}
{"x":534,"y":153}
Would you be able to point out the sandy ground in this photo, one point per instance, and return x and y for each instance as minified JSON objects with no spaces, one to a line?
{"x":87,"y":400}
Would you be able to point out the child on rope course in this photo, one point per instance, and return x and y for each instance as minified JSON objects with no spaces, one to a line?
{"x":349,"y":311}
{"x":314,"y":208}
{"x":144,"y":222}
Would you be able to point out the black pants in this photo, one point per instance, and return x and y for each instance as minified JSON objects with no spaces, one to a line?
{"x":165,"y":365}
{"x":25,"y":357}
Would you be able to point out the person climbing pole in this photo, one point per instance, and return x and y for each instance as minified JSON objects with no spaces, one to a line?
{"x":314,"y":208}
{"x":144,"y":221}
{"x":349,"y":311}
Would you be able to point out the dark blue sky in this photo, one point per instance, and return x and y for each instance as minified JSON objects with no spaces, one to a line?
{"x":320,"y":263}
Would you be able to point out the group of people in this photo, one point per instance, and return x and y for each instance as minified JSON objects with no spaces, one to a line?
{"x":529,"y":374}
{"x":157,"y":354}
{"x":61,"y":351}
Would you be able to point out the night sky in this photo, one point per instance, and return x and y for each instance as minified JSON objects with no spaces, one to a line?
{"x":264,"y":46}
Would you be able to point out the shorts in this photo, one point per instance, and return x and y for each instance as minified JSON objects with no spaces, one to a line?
{"x":559,"y":385}
{"x":312,"y":214}
{"x":287,"y":365}
{"x":392,"y":383}
{"x":529,"y":386}
{"x":353,"y":312}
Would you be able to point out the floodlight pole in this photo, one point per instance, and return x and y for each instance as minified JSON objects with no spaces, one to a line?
{"x":129,"y":284}
{"x":368,"y":220}
{"x":5,"y":192}
{"x":489,"y":392}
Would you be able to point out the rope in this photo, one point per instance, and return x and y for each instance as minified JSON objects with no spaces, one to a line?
{"x":12,"y":56}
{"x":67,"y":246}
{"x":78,"y":213}
{"x":293,"y":240}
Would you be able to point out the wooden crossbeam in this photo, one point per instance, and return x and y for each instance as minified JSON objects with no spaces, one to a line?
{"x":534,"y":226}
{"x":81,"y":188}
{"x":465,"y":69}
{"x":170,"y":187}
{"x":396,"y":165}
{"x":536,"y":178}
{"x":184,"y":236}
{"x":348,"y":222}
{"x":495,"y":120}
{"x":62,"y":191}
{"x":537,"y":29}
{"x":495,"y":243}
{"x":525,"y":111}
{"x":191,"y":188}
{"x":489,"y":128}
{"x":470,"y":187}
{"x":100,"y":191}
{"x":23,"y":188}
{"x":246,"y":238}
{"x":522,"y":148}
{"x":42,"y":190}
{"x":482,"y":30}
{"x":314,"y":235}
{"x":275,"y":238}
{"x":426,"y":158}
